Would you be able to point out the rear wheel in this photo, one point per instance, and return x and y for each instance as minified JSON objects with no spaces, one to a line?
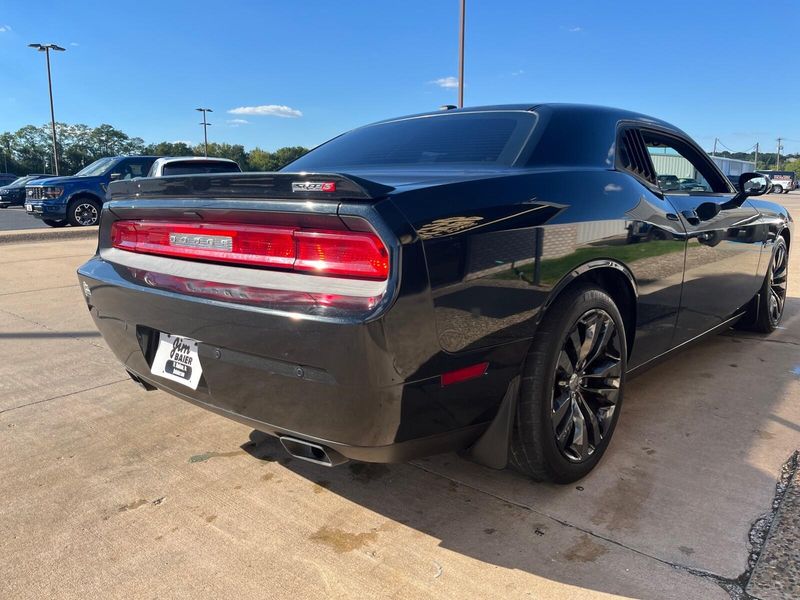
{"x":54,"y":223}
{"x":83,"y":212}
{"x":571,"y":389}
{"x":777,"y":189}
{"x":766,"y":311}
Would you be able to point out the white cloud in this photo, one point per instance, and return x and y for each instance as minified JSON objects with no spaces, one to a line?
{"x":270,"y":110}
{"x":517,"y":73}
{"x":446,"y":82}
{"x":5,"y":28}
{"x":575,"y":29}
{"x":237,"y":122}
{"x":74,"y":44}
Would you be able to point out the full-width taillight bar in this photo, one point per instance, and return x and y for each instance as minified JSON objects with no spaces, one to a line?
{"x":345,"y":253}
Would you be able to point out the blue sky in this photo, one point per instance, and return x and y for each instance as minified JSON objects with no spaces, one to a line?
{"x":319,"y":68}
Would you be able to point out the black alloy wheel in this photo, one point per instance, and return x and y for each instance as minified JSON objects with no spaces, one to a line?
{"x":777,"y":279}
{"x":766,"y":310}
{"x":586,"y":385}
{"x":571,"y":387}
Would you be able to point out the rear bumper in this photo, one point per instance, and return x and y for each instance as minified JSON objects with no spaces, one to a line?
{"x":369,"y":389}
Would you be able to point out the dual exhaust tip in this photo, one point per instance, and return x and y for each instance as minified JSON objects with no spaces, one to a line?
{"x":311,"y":452}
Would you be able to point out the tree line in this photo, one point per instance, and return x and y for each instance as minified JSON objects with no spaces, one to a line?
{"x":30,"y":149}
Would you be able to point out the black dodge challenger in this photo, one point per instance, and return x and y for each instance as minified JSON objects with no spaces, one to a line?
{"x":481,"y":279}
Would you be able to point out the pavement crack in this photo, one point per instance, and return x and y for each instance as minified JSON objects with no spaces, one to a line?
{"x":42,"y":401}
{"x":58,"y":287}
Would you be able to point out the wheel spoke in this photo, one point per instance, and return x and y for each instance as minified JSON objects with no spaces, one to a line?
{"x":565,"y":435}
{"x":565,"y":364}
{"x":607,"y":390}
{"x":597,"y":435}
{"x":589,"y":340}
{"x":601,"y":346}
{"x":574,"y":341}
{"x":580,"y":439}
{"x":560,"y":408}
{"x":605,"y":368}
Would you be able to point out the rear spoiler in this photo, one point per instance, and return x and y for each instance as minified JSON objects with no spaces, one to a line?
{"x":300,"y":186}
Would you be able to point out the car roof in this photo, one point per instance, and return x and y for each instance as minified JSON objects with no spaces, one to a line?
{"x":169,"y":159}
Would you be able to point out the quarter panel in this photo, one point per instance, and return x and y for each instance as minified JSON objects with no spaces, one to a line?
{"x":497,"y":249}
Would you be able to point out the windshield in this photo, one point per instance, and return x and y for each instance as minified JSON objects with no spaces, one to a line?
{"x":493,"y":139}
{"x":18,"y":183}
{"x":98,"y":167}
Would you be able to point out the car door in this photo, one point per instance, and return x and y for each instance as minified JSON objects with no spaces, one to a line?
{"x":724,"y":238}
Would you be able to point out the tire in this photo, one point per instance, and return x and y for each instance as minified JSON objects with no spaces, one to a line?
{"x":556,"y":395}
{"x":54,"y":223}
{"x":83,"y":212}
{"x":777,"y":189}
{"x":766,"y":309}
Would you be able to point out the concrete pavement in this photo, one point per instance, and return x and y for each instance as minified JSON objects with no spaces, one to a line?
{"x":111,"y":492}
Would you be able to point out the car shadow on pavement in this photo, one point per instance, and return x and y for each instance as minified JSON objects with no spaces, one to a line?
{"x":692,"y":465}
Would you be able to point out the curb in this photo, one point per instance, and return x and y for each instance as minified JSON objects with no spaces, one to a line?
{"x":43,"y":235}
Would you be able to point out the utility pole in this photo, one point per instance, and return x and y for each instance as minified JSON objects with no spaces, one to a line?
{"x":756,"y":161}
{"x":205,"y":125}
{"x":461,"y":55}
{"x":778,"y":160}
{"x":714,"y":151}
{"x":46,"y":49}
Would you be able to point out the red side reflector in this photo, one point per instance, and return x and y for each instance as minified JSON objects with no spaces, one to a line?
{"x":354,"y":254}
{"x":459,"y":375}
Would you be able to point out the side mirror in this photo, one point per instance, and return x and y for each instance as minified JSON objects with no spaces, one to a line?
{"x":750,"y":184}
{"x":115,"y":176}
{"x":753,"y":184}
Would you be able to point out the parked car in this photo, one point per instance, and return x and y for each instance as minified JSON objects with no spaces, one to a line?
{"x":452,"y":280}
{"x":688,"y":184}
{"x":669,"y":182}
{"x":13,"y":194}
{"x":77,"y":199}
{"x":6,"y":178}
{"x":192,"y":165}
{"x":782,"y":181}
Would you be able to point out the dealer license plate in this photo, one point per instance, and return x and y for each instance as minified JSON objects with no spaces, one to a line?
{"x":176,"y":359}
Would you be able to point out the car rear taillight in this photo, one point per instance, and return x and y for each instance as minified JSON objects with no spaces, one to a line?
{"x":353,"y":254}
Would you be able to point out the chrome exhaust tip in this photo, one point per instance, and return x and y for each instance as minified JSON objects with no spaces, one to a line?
{"x":311,"y":452}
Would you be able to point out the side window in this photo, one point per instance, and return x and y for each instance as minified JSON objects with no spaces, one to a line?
{"x":680,"y":168}
{"x":138,"y":167}
{"x":133,"y":167}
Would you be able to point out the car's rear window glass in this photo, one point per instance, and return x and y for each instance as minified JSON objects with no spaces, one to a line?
{"x":481,"y":138}
{"x":196,"y":168}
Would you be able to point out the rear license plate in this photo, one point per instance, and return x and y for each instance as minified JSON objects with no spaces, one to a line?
{"x":176,"y":359}
{"x":29,"y":207}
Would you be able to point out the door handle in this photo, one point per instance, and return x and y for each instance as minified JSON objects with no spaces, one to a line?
{"x":691,"y":217}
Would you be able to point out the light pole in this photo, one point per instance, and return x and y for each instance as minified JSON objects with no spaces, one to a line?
{"x":778,"y":160}
{"x":461,"y":54}
{"x":46,"y":49}
{"x":205,"y":125}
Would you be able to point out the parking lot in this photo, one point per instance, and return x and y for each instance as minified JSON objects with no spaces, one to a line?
{"x":112,"y":492}
{"x":14,"y":218}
